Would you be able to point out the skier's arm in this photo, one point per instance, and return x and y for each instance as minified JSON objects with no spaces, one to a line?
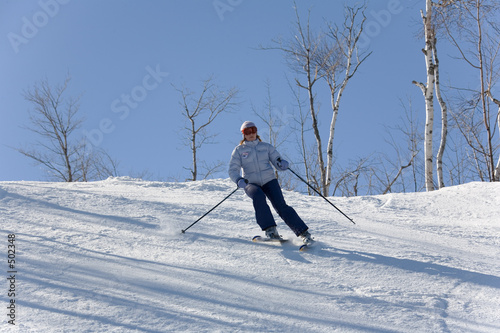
{"x":274,"y":156}
{"x":235,"y":166}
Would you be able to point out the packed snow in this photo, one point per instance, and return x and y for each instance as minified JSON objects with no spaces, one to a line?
{"x":109,"y":256}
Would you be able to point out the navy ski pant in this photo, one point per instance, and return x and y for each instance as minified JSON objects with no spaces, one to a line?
{"x":265,"y":219}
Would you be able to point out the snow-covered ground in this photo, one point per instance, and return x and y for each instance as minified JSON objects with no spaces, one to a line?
{"x":109,"y":256}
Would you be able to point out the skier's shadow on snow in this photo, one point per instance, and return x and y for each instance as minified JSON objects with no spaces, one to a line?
{"x":414,"y":266}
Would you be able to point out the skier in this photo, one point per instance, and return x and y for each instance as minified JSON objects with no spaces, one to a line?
{"x":258,"y":180}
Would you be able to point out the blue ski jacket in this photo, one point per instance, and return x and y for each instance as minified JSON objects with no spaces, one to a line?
{"x":256,"y":159}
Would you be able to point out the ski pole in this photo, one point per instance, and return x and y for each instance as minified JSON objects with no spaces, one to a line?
{"x":230,"y":194}
{"x":321,"y":195}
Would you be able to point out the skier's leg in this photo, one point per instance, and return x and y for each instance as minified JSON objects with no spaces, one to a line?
{"x":263,"y":213}
{"x":272,"y":190}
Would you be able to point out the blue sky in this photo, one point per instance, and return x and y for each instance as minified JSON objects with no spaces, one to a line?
{"x":112,"y":48}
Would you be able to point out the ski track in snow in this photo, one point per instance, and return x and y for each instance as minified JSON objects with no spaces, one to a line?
{"x":109,"y":256}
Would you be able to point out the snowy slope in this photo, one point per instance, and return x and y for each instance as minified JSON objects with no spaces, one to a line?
{"x":109,"y":257}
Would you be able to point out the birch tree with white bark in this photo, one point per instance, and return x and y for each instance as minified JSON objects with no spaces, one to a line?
{"x":343,"y":59}
{"x":305,"y":57}
{"x":428,"y":92}
{"x":332,"y":55}
{"x":444,"y":121}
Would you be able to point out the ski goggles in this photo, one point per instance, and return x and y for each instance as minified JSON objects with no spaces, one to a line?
{"x":250,"y":130}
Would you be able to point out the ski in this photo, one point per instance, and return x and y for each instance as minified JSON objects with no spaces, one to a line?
{"x":260,"y":239}
{"x":306,"y":247}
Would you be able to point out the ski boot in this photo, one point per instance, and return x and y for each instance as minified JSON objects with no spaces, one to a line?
{"x":272,"y":233}
{"x":307,"y":239}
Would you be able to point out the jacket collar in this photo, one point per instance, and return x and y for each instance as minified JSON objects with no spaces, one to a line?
{"x":251,"y":143}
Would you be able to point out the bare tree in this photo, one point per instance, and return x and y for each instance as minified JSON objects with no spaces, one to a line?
{"x":331,"y":55}
{"x":444,"y":121}
{"x":275,"y":119}
{"x":462,"y":166}
{"x":200,"y":112}
{"x":497,"y":102}
{"x":406,"y":149}
{"x":472,"y":27}
{"x":358,"y":174}
{"x":94,"y":163}
{"x":300,"y":126}
{"x":54,"y":118}
{"x":277,"y":122}
{"x":305,"y":57}
{"x":342,"y":59}
{"x":399,"y":173}
{"x":428,"y":92}
{"x":433,"y":85}
{"x":468,"y":120}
